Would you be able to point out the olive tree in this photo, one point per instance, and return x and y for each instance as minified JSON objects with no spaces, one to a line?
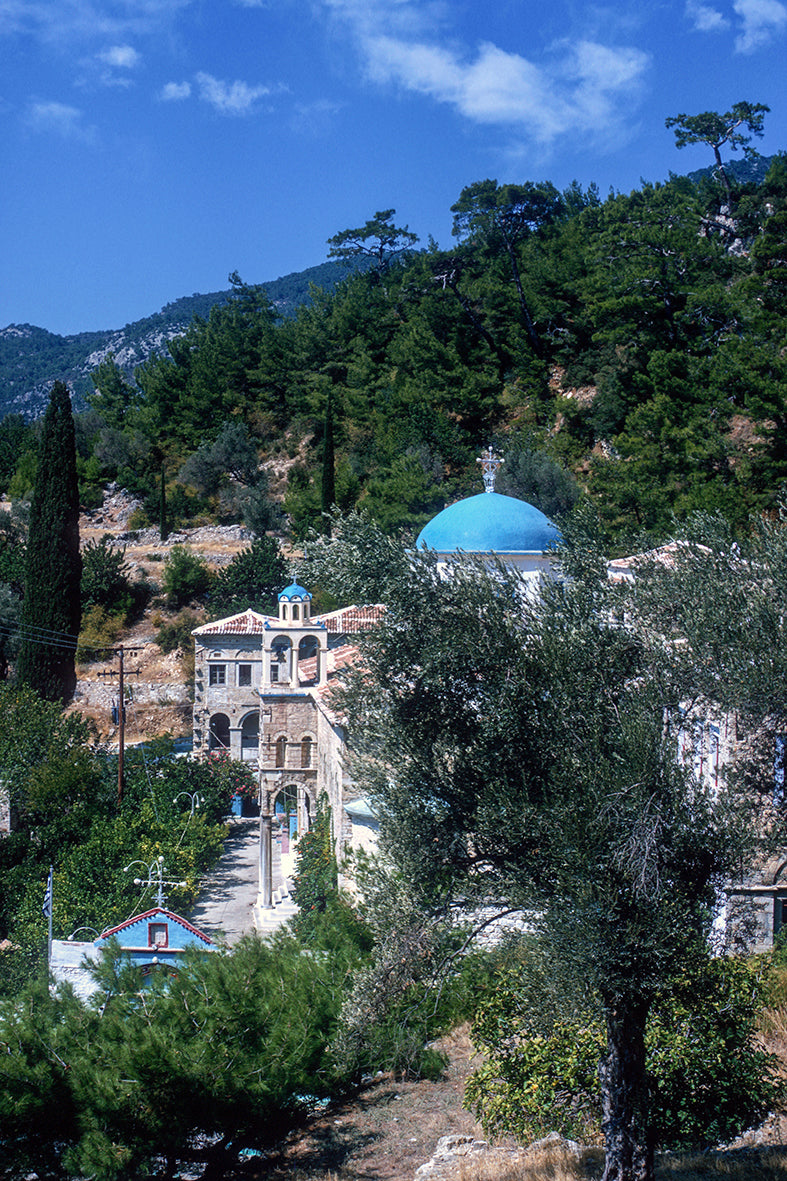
{"x":521,"y":750}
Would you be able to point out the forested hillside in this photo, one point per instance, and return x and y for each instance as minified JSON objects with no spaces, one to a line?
{"x":630,"y":348}
{"x":32,"y":358}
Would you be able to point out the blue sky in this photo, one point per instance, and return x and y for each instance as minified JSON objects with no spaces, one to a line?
{"x":150,"y":147}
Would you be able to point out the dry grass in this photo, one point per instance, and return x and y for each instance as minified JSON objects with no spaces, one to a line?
{"x":552,"y":1164}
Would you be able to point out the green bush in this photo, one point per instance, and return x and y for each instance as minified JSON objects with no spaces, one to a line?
{"x":186,"y":577}
{"x":99,"y":631}
{"x":217,"y":1057}
{"x":105,"y":581}
{"x":316,"y":873}
{"x":177,"y":633}
{"x":252,"y":579}
{"x":709,"y":1078}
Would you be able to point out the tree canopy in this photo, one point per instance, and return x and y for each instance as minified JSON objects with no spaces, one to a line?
{"x":717,"y":129}
{"x":522,"y":753}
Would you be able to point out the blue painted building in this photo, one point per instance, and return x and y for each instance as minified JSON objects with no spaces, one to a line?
{"x":153,"y":941}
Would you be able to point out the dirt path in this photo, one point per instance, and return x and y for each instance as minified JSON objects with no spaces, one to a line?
{"x":383,"y":1134}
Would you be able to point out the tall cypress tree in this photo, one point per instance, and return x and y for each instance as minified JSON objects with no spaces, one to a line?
{"x":51,"y":610}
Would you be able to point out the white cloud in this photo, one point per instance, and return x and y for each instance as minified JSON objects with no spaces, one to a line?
{"x":175,"y":91}
{"x":120,"y":57}
{"x":400,"y":18}
{"x":762,"y":20}
{"x":706,"y":19}
{"x":230,"y":98}
{"x":582,"y":86}
{"x":576,"y":92}
{"x":64,"y":22}
{"x":314,"y":118}
{"x":60,"y":118}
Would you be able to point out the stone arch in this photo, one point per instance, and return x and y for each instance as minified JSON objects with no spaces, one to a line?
{"x":309,"y":649}
{"x":219,"y":732}
{"x":280,"y":659}
{"x":286,"y":800}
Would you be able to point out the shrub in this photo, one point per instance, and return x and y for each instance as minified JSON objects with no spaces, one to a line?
{"x":177,"y":633}
{"x":186,"y":577}
{"x":252,"y":579}
{"x":710,"y":1079}
{"x":99,"y":631}
{"x":105,"y":581}
{"x":138,"y":519}
{"x":316,"y":874}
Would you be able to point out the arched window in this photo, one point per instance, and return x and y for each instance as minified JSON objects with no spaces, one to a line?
{"x":250,"y":736}
{"x":307,"y":651}
{"x":306,"y":752}
{"x":281,"y":751}
{"x":296,"y":611}
{"x":219,"y":732}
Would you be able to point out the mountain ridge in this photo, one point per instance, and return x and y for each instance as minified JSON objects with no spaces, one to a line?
{"x":31,"y":358}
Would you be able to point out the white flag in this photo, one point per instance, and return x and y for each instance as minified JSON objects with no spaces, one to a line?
{"x":47,"y":907}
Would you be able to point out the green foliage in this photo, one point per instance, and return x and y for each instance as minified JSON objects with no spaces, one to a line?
{"x":186,"y":577}
{"x":105,"y":581}
{"x":400,"y":998}
{"x":223,"y":1051}
{"x":176,"y":635}
{"x":253,"y":579}
{"x":522,"y":754}
{"x":228,"y":778}
{"x":231,"y":455}
{"x":316,"y":874}
{"x":63,"y":793}
{"x":378,"y":239}
{"x":716,"y":130}
{"x":12,"y":553}
{"x":535,"y":476}
{"x":710,"y":1079}
{"x":634,"y":345}
{"x":51,"y":610}
{"x":100,"y":630}
{"x":23,"y":480}
{"x":114,"y":397}
{"x":15,"y":438}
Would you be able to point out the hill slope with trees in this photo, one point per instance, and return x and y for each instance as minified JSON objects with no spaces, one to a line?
{"x":628,"y":349}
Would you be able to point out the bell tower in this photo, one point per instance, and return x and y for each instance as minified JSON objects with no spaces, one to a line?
{"x":295,"y":641}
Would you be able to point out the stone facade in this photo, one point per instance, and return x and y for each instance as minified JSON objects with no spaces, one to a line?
{"x":262,"y":694}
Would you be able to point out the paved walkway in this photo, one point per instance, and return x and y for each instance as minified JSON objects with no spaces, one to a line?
{"x":227,"y":906}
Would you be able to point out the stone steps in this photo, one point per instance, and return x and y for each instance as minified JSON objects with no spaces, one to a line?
{"x":283,"y":909}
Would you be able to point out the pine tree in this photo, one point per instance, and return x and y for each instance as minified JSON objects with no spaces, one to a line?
{"x":328,"y":488}
{"x":51,"y":610}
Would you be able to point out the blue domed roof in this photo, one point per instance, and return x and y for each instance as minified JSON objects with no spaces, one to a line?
{"x":294,"y":591}
{"x":489,"y":523}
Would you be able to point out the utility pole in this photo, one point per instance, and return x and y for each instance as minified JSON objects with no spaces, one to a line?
{"x":120,"y":653}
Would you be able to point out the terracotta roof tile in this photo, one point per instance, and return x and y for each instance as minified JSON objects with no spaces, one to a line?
{"x":353,"y":619}
{"x":245,"y":623}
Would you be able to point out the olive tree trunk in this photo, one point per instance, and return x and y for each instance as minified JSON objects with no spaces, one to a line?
{"x":624,"y":1095}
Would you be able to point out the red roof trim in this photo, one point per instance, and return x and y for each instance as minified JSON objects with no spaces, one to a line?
{"x":157,"y":910}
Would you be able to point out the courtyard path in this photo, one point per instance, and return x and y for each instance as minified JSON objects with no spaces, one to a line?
{"x":227,"y":906}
